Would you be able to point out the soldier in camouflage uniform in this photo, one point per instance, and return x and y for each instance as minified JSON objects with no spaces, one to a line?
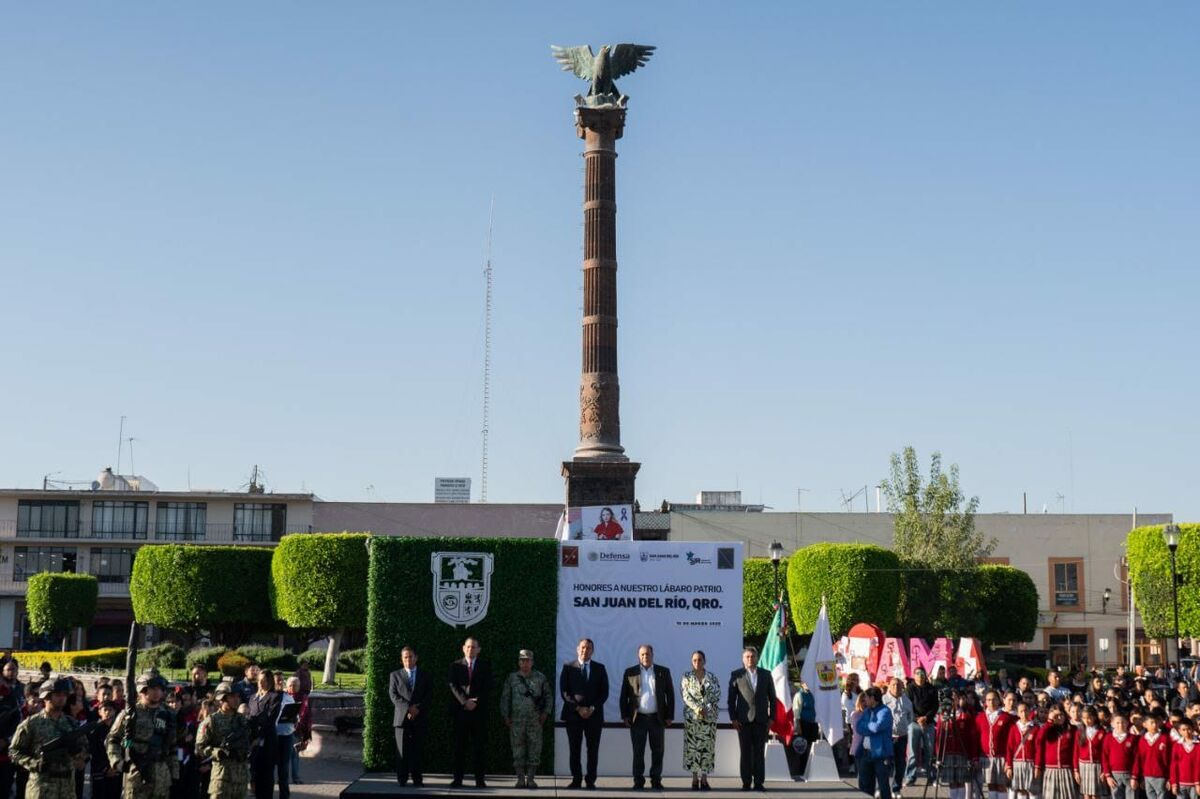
{"x":51,"y":776}
{"x":525,"y":704}
{"x":142,"y":743}
{"x":225,"y":737}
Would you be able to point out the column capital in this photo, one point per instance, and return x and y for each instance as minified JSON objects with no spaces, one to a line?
{"x":603,"y":121}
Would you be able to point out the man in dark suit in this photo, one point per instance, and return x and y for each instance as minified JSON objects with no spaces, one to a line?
{"x":647,"y":707}
{"x":410,"y":689}
{"x":751,"y":710}
{"x":584,"y":687}
{"x":470,"y":684}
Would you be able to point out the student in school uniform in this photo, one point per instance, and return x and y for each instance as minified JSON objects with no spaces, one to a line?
{"x":1151,"y":765}
{"x":992,"y":728}
{"x":1185,"y":762}
{"x":1021,"y":753}
{"x":1116,"y":758}
{"x":1057,"y":757}
{"x":1089,"y":745}
{"x":957,"y":740}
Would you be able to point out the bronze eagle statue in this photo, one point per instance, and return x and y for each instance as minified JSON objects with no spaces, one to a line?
{"x":603,"y":68}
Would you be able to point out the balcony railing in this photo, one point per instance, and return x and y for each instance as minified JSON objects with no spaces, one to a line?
{"x":86,"y":531}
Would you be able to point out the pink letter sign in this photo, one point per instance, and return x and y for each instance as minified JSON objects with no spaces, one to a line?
{"x":922,"y":657}
{"x":893,"y":661}
{"x":969,"y":661}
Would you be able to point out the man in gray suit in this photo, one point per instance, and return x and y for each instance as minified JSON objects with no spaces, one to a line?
{"x":751,"y":710}
{"x":410,"y":689}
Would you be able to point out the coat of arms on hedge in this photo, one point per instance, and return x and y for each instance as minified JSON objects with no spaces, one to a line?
{"x":462,"y":584}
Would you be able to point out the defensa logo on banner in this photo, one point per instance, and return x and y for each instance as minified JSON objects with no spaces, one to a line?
{"x":462,"y":585}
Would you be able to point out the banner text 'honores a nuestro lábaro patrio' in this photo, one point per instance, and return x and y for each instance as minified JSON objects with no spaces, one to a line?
{"x":677,"y":596}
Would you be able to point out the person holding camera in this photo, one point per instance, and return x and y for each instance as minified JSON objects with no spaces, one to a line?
{"x":525,"y":704}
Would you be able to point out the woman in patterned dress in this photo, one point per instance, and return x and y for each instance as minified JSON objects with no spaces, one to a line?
{"x":701,"y":702}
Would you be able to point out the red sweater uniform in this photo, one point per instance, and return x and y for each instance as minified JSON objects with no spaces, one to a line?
{"x":1089,"y":751}
{"x":1058,"y":748}
{"x":1117,"y":756}
{"x":958,"y":737}
{"x":1153,"y":757}
{"x":993,"y":736}
{"x":1185,"y":765}
{"x":1023,"y":746}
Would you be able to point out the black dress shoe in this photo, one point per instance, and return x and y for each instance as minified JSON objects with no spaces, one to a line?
{"x":591,"y":786}
{"x":402,"y":781}
{"x":637,"y":785}
{"x":656,"y":785}
{"x":456,"y":783}
{"x":480,"y":783}
{"x":418,"y":783}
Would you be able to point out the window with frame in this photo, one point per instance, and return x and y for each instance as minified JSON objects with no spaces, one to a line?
{"x":28,"y":561}
{"x":1067,"y":583}
{"x":1069,"y":650}
{"x":111,"y":564}
{"x":119,"y":519}
{"x":259,"y":521}
{"x":55,"y":518}
{"x":181,"y":521}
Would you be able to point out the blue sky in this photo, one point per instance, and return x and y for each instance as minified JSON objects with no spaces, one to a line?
{"x":258,"y":232}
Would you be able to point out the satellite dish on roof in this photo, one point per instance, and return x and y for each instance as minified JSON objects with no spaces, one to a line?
{"x":95,"y":485}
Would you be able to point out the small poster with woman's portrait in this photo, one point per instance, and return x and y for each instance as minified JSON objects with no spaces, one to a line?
{"x":600,"y":523}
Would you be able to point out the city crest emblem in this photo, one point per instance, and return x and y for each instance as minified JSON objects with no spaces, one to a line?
{"x":462,"y":586}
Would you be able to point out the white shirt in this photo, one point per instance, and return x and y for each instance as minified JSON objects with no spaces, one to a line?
{"x":647,"y":701}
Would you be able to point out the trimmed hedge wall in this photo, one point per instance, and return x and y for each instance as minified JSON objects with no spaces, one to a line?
{"x":59,"y":602}
{"x":521,"y":614}
{"x":1150,"y":572}
{"x":191,"y":588}
{"x":110,"y":658}
{"x":319,"y":580}
{"x":758,"y":600}
{"x":860,"y":582}
{"x":1008,"y":604}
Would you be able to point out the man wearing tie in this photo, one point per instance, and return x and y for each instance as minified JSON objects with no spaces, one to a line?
{"x":470,"y":683}
{"x":410,"y":689}
{"x":751,"y":709}
{"x":584,"y":686}
{"x":647,"y":707}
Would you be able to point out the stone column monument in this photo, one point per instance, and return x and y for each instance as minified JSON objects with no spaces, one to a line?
{"x":600,"y":472}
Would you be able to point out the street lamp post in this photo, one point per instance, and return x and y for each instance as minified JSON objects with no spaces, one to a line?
{"x":1171,"y":537}
{"x":776,"y":557}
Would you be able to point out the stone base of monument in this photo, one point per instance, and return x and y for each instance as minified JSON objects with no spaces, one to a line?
{"x":376,"y":786}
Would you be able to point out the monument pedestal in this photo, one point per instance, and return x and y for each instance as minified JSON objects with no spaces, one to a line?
{"x":597,"y":482}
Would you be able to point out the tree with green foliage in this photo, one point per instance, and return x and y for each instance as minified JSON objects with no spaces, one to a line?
{"x":1150,"y":572}
{"x":319,"y":582}
{"x":859,"y":582}
{"x":758,"y":594}
{"x":223,"y":590}
{"x":1008,"y":604}
{"x":938,"y":546}
{"x":60,"y":602}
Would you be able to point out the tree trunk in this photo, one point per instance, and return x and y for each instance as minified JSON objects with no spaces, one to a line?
{"x":66,"y":637}
{"x":331,"y":656}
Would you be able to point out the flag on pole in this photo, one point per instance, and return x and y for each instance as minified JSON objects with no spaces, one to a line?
{"x":819,"y":673}
{"x":775,"y":660}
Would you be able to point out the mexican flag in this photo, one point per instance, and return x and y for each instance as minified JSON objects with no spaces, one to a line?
{"x":775,"y":660}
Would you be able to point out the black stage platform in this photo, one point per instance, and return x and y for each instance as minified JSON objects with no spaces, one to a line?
{"x":381,"y":785}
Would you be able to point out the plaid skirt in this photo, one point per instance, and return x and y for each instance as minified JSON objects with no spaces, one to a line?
{"x":1090,"y":781}
{"x":1023,"y":779}
{"x":991,"y":770}
{"x":1058,"y":782}
{"x":955,"y":770}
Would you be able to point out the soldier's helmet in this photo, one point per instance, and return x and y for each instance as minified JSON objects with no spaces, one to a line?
{"x":223,"y":690}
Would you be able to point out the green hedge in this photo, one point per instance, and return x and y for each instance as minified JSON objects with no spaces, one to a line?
{"x":319,"y":580}
{"x":860,"y":582}
{"x":758,"y":600}
{"x":206,"y":656}
{"x":58,"y":602}
{"x":163,"y":656}
{"x":1150,"y":572}
{"x":1008,"y":604}
{"x":191,"y":588}
{"x":315,"y":658}
{"x":353,"y":661}
{"x":522,"y":613}
{"x":269,"y":657}
{"x":108,"y":658}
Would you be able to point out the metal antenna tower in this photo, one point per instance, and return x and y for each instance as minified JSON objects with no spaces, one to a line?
{"x":487,"y":353}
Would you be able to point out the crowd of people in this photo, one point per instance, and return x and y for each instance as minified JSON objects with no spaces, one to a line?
{"x":1125,"y":734}
{"x":646,"y":701}
{"x":183,"y":741}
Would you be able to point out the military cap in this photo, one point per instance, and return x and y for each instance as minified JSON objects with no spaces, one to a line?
{"x":151,"y":680}
{"x":222,"y":691}
{"x":54,"y":686}
{"x":525,"y":654}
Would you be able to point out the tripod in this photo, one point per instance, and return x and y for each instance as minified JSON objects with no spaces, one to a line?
{"x":946,"y":716}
